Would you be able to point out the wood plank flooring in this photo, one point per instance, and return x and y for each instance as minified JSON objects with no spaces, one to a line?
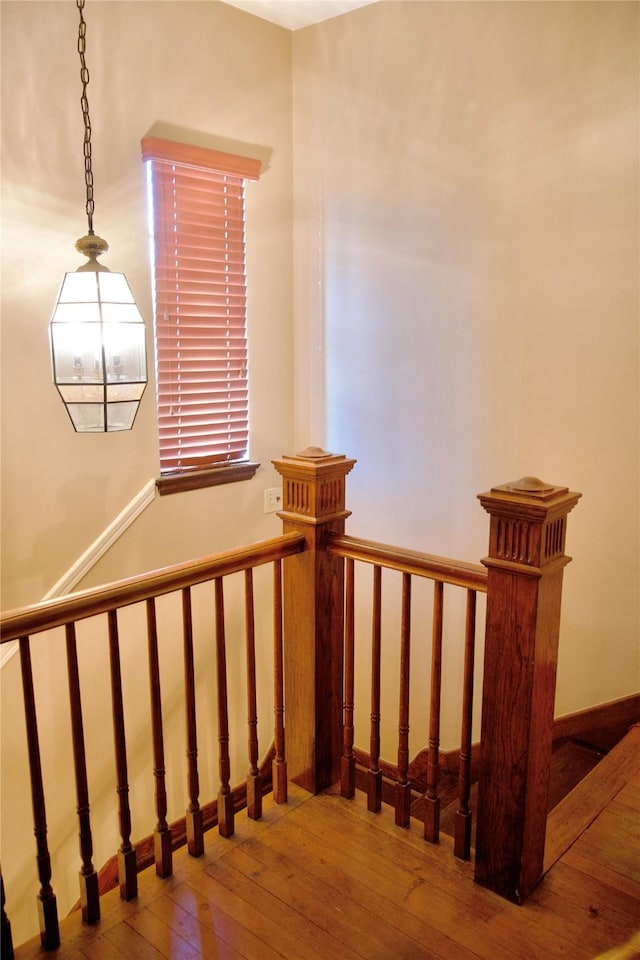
{"x":320,"y":878}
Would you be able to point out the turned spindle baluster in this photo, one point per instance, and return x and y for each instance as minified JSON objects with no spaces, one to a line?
{"x":225,"y":797}
{"x":127,"y":868}
{"x":162,"y":833}
{"x":89,"y":889}
{"x":463,"y":819}
{"x":432,"y":801}
{"x":403,"y":787}
{"x":195,"y":828}
{"x":347,"y":762}
{"x":279,"y":765}
{"x":254,"y":777}
{"x":47,"y":905}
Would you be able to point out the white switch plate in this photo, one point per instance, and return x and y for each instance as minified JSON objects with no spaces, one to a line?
{"x":272,"y":499}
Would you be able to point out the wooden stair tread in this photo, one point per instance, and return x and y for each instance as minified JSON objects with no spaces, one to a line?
{"x":570,"y":764}
{"x":581,"y":807}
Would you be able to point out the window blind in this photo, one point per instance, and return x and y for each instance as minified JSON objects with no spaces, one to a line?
{"x":198,"y":222}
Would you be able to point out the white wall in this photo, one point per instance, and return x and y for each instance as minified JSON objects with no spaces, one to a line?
{"x":466,"y":189}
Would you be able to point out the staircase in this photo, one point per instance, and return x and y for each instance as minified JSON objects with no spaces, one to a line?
{"x":571,"y":761}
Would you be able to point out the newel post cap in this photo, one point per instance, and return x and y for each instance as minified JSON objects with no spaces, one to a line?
{"x":529,"y":497}
{"x":313,"y":485}
{"x":528,"y":522}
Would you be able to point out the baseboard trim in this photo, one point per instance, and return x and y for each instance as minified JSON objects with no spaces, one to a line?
{"x":601,"y":726}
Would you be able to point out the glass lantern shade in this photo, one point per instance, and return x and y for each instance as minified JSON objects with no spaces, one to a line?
{"x":98,"y":350}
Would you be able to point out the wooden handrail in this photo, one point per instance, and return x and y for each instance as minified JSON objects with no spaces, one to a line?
{"x":26,"y":621}
{"x":457,"y":572}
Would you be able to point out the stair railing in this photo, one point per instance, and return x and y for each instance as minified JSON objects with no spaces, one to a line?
{"x":473,"y":580}
{"x":23,"y":625}
{"x":524,"y":587}
{"x":523,"y":582}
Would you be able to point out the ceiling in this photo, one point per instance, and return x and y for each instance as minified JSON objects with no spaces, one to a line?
{"x":294,"y":14}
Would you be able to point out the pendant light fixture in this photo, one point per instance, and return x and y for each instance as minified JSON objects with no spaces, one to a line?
{"x":97,"y":334}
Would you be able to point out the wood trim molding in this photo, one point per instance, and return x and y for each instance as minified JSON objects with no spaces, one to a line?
{"x":601,"y":726}
{"x":93,"y":553}
{"x":207,"y":477}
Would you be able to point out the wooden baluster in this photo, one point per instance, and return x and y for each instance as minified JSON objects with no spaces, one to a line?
{"x":127,"y":874}
{"x":403,"y":788}
{"x":195,"y":828}
{"x":6,"y":941}
{"x":279,"y":765}
{"x":348,"y":763}
{"x":89,"y":890}
{"x":47,"y":905}
{"x":162,"y":833}
{"x":431,"y":800}
{"x":254,"y":777}
{"x":225,"y":797}
{"x":374,"y":777}
{"x":462,"y":831}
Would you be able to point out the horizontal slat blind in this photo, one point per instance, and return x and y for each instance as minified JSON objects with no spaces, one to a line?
{"x":197,"y":197}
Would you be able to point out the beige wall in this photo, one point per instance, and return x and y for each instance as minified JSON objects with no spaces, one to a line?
{"x":466,"y":189}
{"x":203,"y":67}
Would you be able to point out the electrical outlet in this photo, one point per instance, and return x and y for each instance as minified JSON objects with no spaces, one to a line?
{"x":272,"y":499}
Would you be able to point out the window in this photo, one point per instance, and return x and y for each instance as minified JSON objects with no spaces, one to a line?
{"x":197,"y":211}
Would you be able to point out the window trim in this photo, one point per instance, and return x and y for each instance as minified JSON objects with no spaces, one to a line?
{"x":240,"y":168}
{"x":208,"y":477}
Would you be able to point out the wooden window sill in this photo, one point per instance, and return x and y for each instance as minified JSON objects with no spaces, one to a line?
{"x":209,"y":477}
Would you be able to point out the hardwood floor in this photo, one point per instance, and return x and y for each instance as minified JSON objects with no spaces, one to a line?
{"x":321,"y":878}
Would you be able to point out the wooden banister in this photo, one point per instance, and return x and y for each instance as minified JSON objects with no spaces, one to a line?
{"x":315,"y":670}
{"x":89,"y":603}
{"x":525,"y":567}
{"x":456,"y":572}
{"x":109,"y":600}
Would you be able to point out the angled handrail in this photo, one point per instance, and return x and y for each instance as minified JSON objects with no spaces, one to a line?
{"x":88,"y":603}
{"x":22,"y":624}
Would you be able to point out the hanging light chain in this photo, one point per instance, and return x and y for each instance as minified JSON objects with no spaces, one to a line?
{"x":84,"y":76}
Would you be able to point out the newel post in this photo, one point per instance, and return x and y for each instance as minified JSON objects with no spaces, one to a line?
{"x":313,"y":500}
{"x":525,"y":568}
